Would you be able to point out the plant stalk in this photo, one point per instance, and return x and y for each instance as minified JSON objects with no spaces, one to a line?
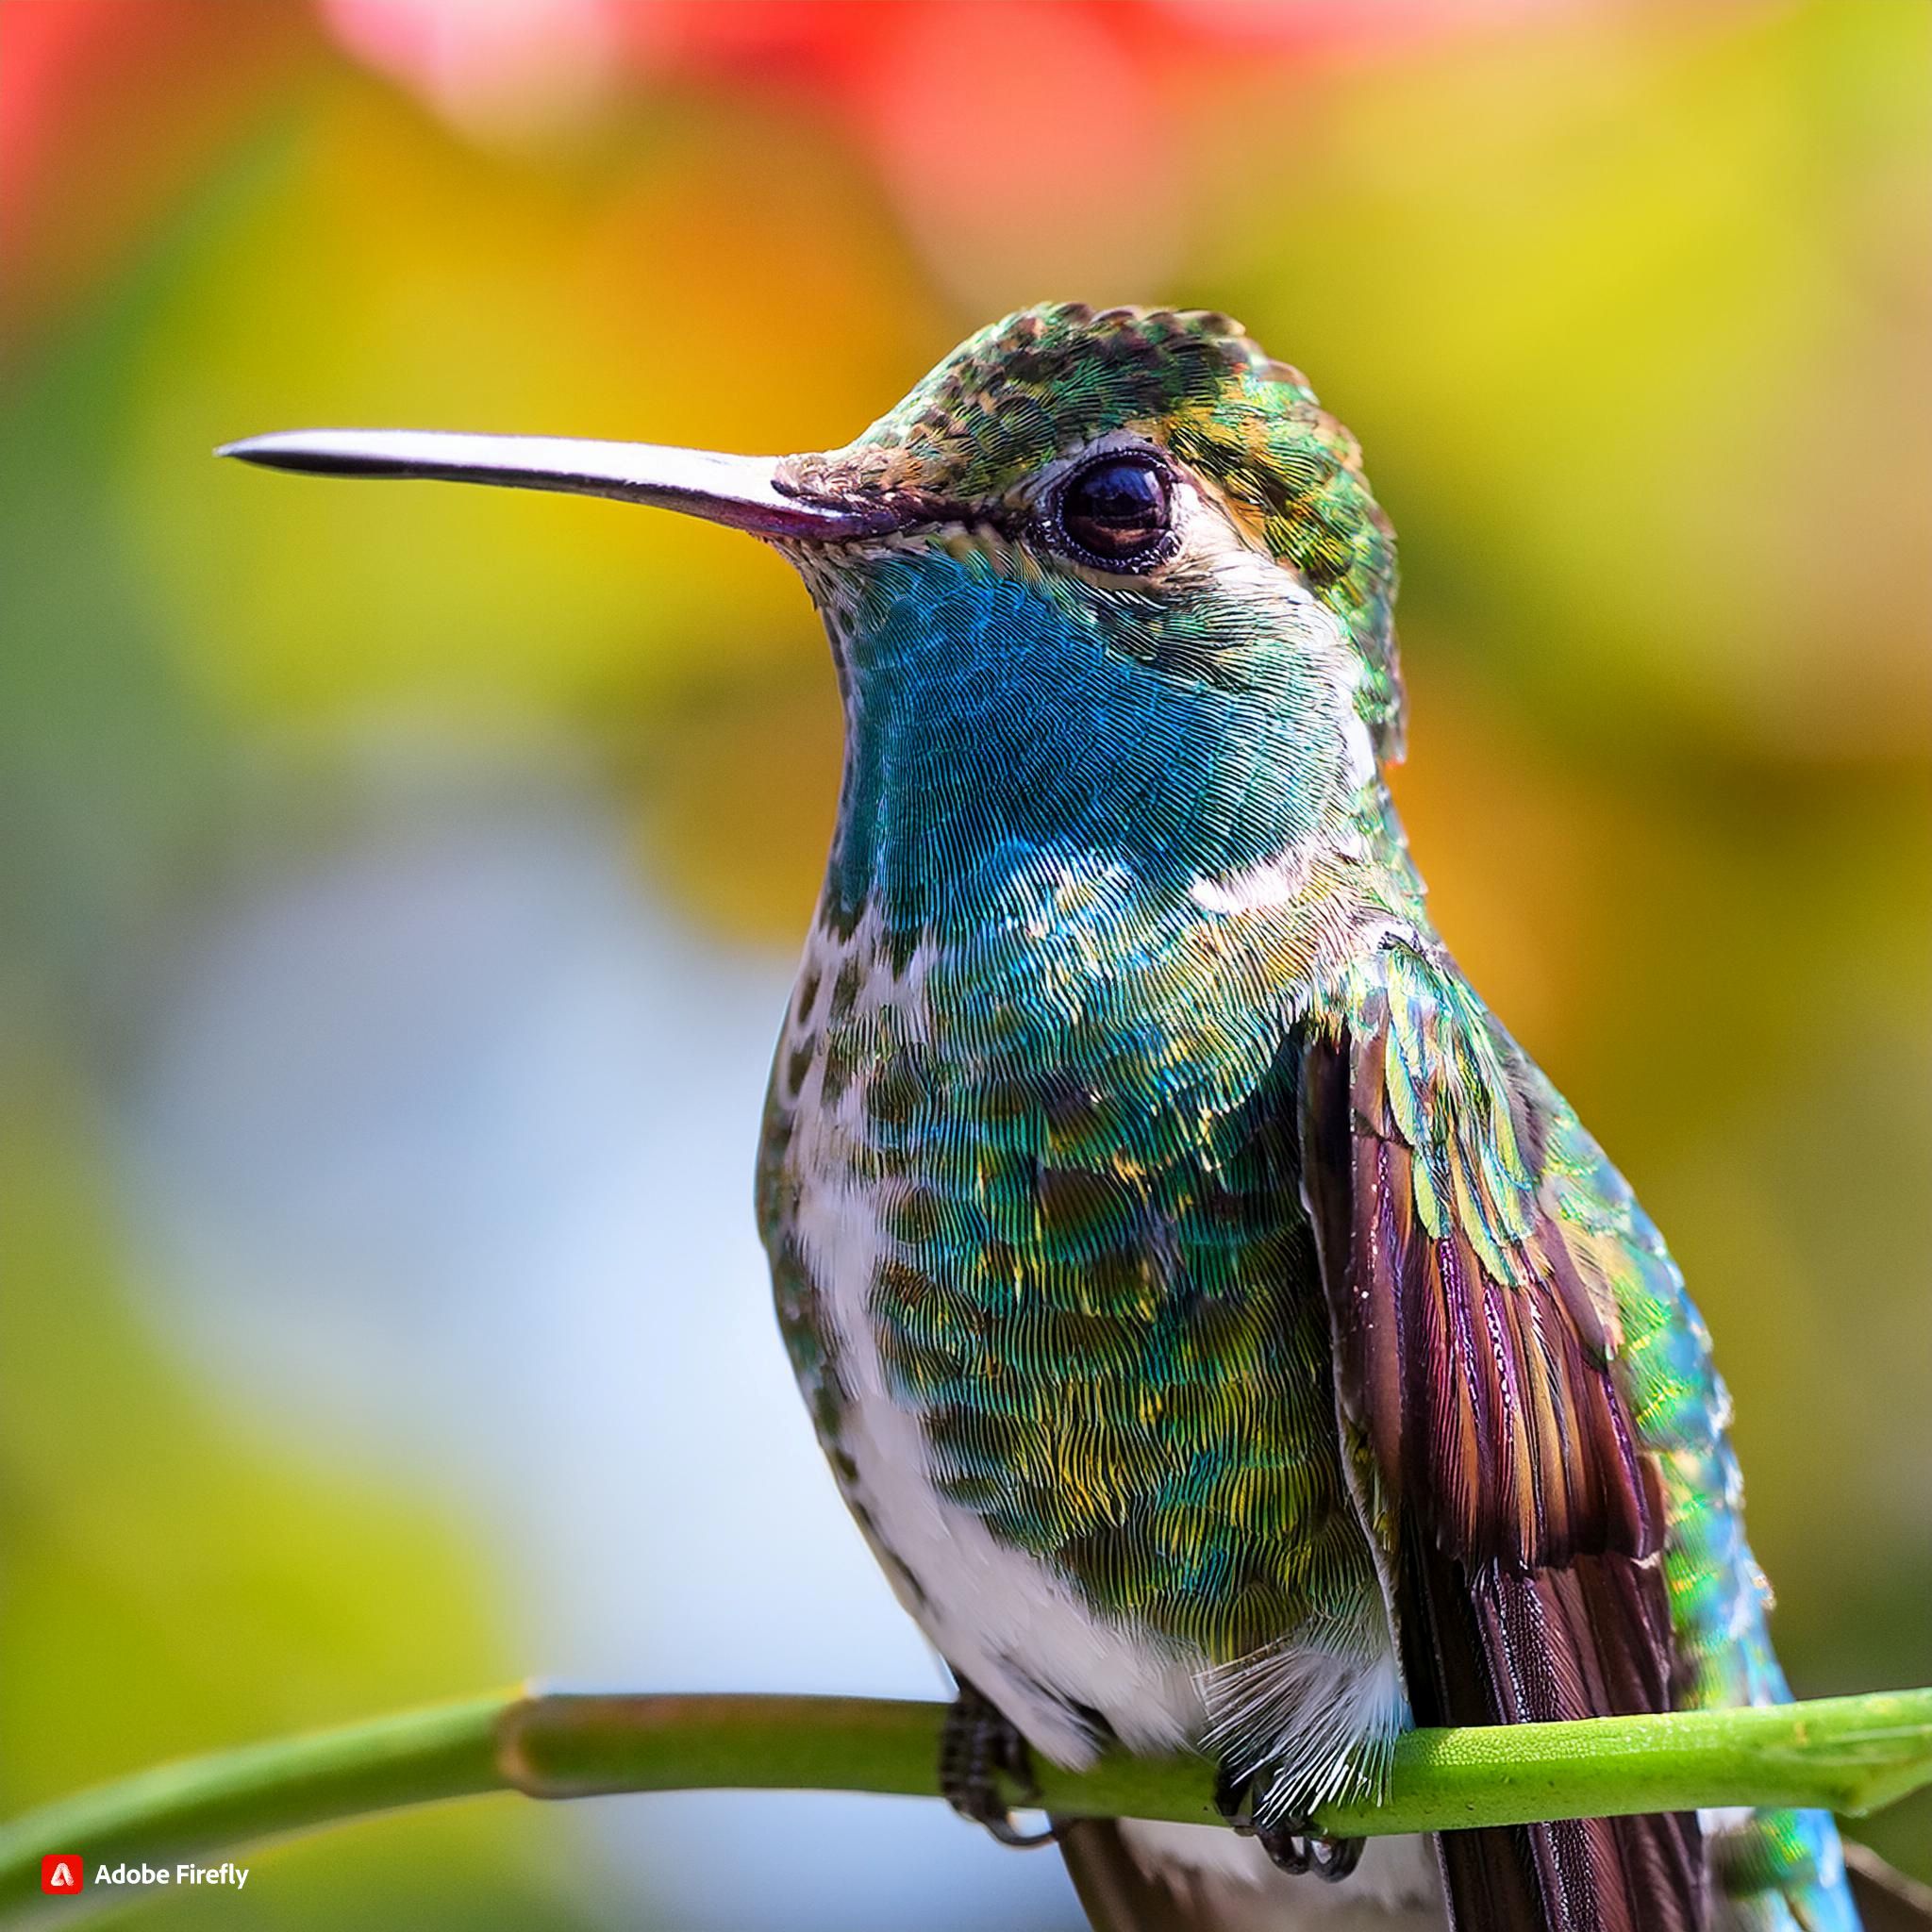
{"x":1850,"y":1755}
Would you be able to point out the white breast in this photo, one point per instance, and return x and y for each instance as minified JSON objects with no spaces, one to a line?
{"x":1000,"y":1618}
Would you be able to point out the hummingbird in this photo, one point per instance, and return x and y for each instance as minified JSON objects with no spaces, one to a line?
{"x":1225,"y":1336}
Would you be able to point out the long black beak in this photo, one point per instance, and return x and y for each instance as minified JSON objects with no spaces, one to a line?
{"x":743,"y":492}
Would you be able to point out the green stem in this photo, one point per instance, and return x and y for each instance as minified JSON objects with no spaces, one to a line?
{"x":1842,"y":1753}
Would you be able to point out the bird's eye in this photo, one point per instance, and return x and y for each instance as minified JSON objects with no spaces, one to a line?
{"x":1117,"y":512}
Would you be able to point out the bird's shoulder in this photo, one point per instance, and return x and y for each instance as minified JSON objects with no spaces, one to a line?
{"x":1486,"y":1183}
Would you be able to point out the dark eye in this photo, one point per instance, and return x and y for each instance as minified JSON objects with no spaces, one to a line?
{"x":1117,"y":511}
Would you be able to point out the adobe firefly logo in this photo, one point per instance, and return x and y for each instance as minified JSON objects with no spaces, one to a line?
{"x":62,"y":1872}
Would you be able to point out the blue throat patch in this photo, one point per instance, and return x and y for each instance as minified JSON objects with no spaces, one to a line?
{"x":989,"y":720}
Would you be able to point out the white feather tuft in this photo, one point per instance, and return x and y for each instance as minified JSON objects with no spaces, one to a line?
{"x":1317,"y":1716}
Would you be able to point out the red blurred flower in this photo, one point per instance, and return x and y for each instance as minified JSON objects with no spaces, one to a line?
{"x":106,"y":109}
{"x":1026,"y":144}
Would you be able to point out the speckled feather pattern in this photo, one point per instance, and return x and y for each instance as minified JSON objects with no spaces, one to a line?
{"x":1121,"y":1021}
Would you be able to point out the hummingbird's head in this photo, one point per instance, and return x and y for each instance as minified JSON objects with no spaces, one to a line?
{"x":1152,"y":474}
{"x":1109,"y":582}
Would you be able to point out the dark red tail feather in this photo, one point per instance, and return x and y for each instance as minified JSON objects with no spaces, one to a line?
{"x":1586,"y":1640}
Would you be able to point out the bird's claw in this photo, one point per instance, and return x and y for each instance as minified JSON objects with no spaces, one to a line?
{"x":1294,"y":1847}
{"x":1292,"y":1844}
{"x":982,"y":1755}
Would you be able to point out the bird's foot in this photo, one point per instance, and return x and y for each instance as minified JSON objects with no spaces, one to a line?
{"x":1291,"y":1843}
{"x":982,"y":1757}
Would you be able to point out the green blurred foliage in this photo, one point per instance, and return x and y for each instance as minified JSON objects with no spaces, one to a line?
{"x":175,"y":1582}
{"x":1629,"y":306}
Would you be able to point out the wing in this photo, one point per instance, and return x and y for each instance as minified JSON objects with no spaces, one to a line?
{"x":1468,"y":1270}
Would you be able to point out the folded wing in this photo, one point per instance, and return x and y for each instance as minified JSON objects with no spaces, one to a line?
{"x":1468,"y":1269}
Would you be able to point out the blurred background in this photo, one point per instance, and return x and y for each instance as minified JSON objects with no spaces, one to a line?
{"x":401,"y":887}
